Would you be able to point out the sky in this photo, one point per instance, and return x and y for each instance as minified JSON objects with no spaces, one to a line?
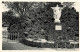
{"x":75,"y":5}
{"x":4,"y":8}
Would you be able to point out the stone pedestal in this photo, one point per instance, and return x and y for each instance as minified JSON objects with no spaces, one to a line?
{"x":56,"y":34}
{"x":57,"y":29}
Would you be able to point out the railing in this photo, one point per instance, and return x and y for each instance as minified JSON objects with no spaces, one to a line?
{"x":74,"y":43}
{"x":10,"y":37}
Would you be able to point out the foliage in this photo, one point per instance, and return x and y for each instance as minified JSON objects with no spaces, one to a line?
{"x":36,"y":18}
{"x":71,"y":19}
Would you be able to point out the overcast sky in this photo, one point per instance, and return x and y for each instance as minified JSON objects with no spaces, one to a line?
{"x":4,"y":8}
{"x":76,"y":6}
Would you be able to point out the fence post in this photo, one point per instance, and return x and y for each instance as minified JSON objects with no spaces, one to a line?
{"x":65,"y":44}
{"x":7,"y":36}
{"x":74,"y":44}
{"x":13,"y":36}
{"x":57,"y":46}
{"x":18,"y":36}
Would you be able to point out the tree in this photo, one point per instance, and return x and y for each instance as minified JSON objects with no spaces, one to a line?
{"x":68,"y":4}
{"x":71,"y":19}
{"x":26,"y":15}
{"x":37,"y":19}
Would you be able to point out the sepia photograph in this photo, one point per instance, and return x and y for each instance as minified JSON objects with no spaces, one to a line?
{"x":40,"y":25}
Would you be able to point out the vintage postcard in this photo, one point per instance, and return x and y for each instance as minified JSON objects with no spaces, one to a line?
{"x":40,"y":25}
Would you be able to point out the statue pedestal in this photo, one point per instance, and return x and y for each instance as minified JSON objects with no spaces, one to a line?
{"x":59,"y":30}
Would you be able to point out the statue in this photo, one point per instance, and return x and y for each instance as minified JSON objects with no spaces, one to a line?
{"x":57,"y":13}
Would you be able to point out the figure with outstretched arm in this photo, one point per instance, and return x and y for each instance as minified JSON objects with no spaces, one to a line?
{"x":57,"y":13}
